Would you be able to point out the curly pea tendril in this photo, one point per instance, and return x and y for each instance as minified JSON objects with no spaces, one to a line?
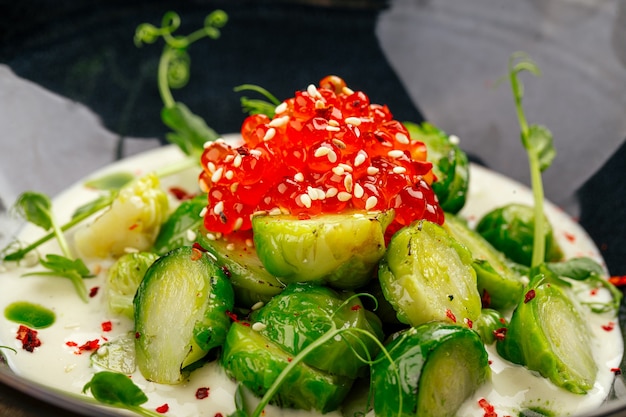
{"x":173,"y":71}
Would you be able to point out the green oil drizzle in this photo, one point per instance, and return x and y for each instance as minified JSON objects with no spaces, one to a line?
{"x":29,"y":314}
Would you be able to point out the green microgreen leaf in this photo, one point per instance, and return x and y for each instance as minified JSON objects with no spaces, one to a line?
{"x":256,"y":106}
{"x":109,"y":182}
{"x":73,"y":269}
{"x":35,"y":208}
{"x":118,"y":390}
{"x":190,"y":132}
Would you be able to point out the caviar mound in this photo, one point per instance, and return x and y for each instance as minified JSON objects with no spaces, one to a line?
{"x":326,"y":150}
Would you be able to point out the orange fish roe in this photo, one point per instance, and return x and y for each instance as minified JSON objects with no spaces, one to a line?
{"x":327,"y":149}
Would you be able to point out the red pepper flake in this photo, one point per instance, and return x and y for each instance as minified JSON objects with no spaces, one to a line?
{"x":609,"y":326}
{"x":162,"y":409}
{"x":202,"y":393}
{"x":137,"y":335}
{"x":355,"y":307}
{"x":450,"y":315}
{"x":71,"y":344}
{"x":196,"y":254}
{"x":593,"y":291}
{"x":485,"y":299}
{"x":88,"y":346}
{"x":93,"y":292}
{"x":232,"y":316}
{"x":529,"y":296}
{"x":618,"y":281}
{"x":289,"y":359}
{"x":616,"y":371}
{"x":500,"y":333}
{"x":468,"y":322}
{"x":569,"y":236}
{"x":488,"y":408}
{"x":180,"y":193}
{"x":218,"y":415}
{"x":133,"y":226}
{"x":107,"y":326}
{"x":199,"y":247}
{"x":28,"y":337}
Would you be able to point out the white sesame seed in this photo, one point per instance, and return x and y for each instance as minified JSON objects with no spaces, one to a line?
{"x":259,"y":213}
{"x":312,"y":193}
{"x":402,"y":138}
{"x":305,"y":200}
{"x":275,"y":211}
{"x":371,"y":170}
{"x":347,"y":182}
{"x":299,"y":177}
{"x":217,"y":175}
{"x":333,"y":122}
{"x":211,"y":167}
{"x":332,"y":157}
{"x":206,"y":144}
{"x":230,"y":246}
{"x":357,"y":132}
{"x":191,"y":235}
{"x":338,"y":170}
{"x":281,"y":108}
{"x":258,"y":326}
{"x":354,"y":121}
{"x":203,"y":186}
{"x":339,"y":144}
{"x":454,"y":139}
{"x":238,"y":223}
{"x":249,"y":243}
{"x":358,"y":191}
{"x":257,"y":305}
{"x":347,"y":91}
{"x":255,"y":152}
{"x":229,"y":158}
{"x":343,"y":196}
{"x":399,"y":170}
{"x":279,"y":121}
{"x":219,"y":207}
{"x":319,"y":104}
{"x":269,"y":135}
{"x":330,"y":128}
{"x":233,"y":187}
{"x":218,"y":235}
{"x":237,"y":161}
{"x":396,"y":153}
{"x":229,"y":175}
{"x":211,"y":236}
{"x":360,"y":158}
{"x":331,"y":192}
{"x":371,"y":202}
{"x":321,"y":195}
{"x":313,"y":92}
{"x":345,"y":167}
{"x":220,"y":140}
{"x":322,"y":151}
{"x":204,"y":211}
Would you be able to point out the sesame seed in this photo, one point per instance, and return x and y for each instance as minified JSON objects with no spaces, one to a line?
{"x":218,"y":235}
{"x":255,"y":152}
{"x":211,"y":236}
{"x":220,"y":140}
{"x":210,"y":255}
{"x":312,"y":90}
{"x":211,"y":167}
{"x":282,"y":188}
{"x":331,"y":192}
{"x":257,"y":305}
{"x":305,"y":200}
{"x":206,"y":144}
{"x":249,"y":243}
{"x":333,"y":122}
{"x":229,"y":158}
{"x":345,"y":167}
{"x":358,"y":191}
{"x":371,"y":202}
{"x":217,"y":175}
{"x":357,"y":132}
{"x":238,"y":223}
{"x":269,"y":135}
{"x":347,"y":182}
{"x":343,"y":196}
{"x":372,"y":170}
{"x":281,"y":108}
{"x":354,"y":121}
{"x":402,"y":138}
{"x":454,"y":139}
{"x":237,"y":161}
{"x":338,"y":170}
{"x":191,"y":235}
{"x":279,"y":121}
{"x":258,"y":326}
{"x":347,"y":91}
{"x":233,"y":187}
{"x":204,"y":211}
{"x":230,"y":246}
{"x":275,"y":211}
{"x":330,"y":128}
{"x":229,"y":175}
{"x":299,"y":177}
{"x":332,"y":157}
{"x":399,"y":170}
{"x":321,"y":195}
{"x":396,"y":153}
{"x":131,"y":250}
{"x":360,"y":158}
{"x":339,"y":143}
{"x":259,"y":213}
{"x":319,"y":104}
{"x":219,"y":207}
{"x":322,"y":151}
{"x":312,"y":193}
{"x":203,"y":186}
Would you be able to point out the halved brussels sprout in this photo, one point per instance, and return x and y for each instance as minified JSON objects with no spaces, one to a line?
{"x":436,"y":367}
{"x":427,"y":275}
{"x":510,"y":229}
{"x":339,"y":249}
{"x":123,"y":279}
{"x":180,"y":313}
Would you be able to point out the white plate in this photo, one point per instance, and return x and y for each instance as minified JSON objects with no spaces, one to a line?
{"x":60,"y":374}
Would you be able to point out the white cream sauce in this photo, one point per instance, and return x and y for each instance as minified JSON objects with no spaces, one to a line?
{"x":55,"y":364}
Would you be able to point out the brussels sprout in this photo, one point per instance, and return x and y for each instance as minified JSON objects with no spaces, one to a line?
{"x":427,"y":275}
{"x":251,"y":282}
{"x":548,"y":335}
{"x":339,"y":249}
{"x":302,"y":313}
{"x":499,"y":285}
{"x":490,"y":325}
{"x":450,"y":165}
{"x":180,"y":313}
{"x":510,"y":230}
{"x":123,"y":279}
{"x":132,"y":221}
{"x":436,"y":367}
{"x":256,"y":362}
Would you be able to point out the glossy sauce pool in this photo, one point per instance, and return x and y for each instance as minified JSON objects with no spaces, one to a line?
{"x":60,"y":364}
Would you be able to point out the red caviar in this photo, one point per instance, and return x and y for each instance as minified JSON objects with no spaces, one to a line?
{"x":326,"y":150}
